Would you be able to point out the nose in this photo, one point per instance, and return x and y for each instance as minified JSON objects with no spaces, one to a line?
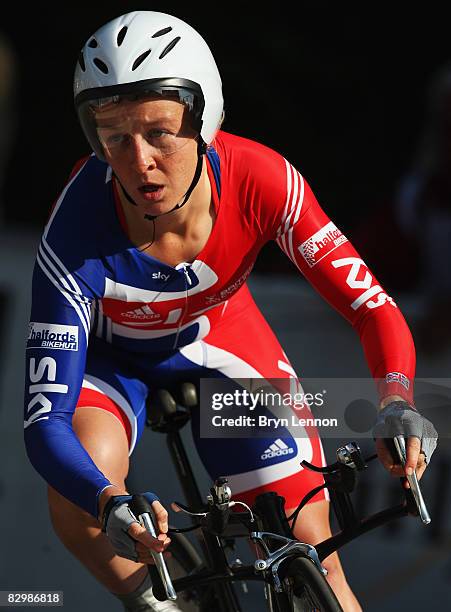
{"x":142,"y":154}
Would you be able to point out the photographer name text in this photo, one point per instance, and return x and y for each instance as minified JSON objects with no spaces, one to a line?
{"x":271,"y":422}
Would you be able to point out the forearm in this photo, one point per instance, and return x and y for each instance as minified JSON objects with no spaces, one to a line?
{"x":390,"y":353}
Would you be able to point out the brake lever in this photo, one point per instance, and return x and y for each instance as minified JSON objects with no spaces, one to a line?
{"x":400,"y":446}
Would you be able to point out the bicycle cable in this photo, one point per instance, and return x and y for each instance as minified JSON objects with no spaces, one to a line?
{"x":304,"y":501}
{"x":236,"y":503}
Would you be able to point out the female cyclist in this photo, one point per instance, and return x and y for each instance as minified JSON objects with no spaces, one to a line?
{"x":140,"y":280}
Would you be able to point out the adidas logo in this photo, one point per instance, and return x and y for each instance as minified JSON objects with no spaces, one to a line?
{"x":143,"y":313}
{"x":277,"y":449}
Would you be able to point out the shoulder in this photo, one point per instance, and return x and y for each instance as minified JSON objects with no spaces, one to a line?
{"x":82,"y":199}
{"x":254,"y":165}
{"x":89,"y":177}
{"x":81,"y":218}
{"x":268,"y":184}
{"x":237,"y":149}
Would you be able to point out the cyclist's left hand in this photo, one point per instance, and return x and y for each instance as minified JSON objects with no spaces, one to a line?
{"x":415,"y":459}
{"x":399,"y":418}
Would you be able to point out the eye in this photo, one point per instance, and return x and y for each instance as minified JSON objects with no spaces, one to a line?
{"x":116,"y":139}
{"x":157,"y":134}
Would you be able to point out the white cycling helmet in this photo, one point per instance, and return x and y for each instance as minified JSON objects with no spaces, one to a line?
{"x":148,"y":52}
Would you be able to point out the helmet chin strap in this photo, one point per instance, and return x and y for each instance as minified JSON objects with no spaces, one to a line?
{"x":201,"y":150}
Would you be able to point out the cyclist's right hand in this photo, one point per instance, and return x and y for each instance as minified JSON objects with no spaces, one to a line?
{"x":128,"y":537}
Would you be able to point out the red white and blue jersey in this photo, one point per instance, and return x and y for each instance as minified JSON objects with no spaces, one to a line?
{"x":92,"y":286}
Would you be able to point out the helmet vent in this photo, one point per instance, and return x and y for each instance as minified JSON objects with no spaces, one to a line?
{"x":92,"y":43}
{"x":121,"y":36}
{"x":139,"y":60}
{"x":161,"y":32}
{"x":81,"y":61}
{"x":169,"y":47}
{"x":101,"y":65}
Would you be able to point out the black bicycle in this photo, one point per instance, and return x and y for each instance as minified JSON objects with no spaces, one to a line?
{"x":290,"y":571}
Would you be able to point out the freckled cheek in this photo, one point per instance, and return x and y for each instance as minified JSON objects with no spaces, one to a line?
{"x":180,"y":173}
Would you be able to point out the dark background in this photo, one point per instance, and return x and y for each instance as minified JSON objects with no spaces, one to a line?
{"x":339,"y":91}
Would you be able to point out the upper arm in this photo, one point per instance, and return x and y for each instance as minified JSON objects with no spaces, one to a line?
{"x":318,"y":248}
{"x":68,"y":276}
{"x":329,"y":261}
{"x":57,"y":341}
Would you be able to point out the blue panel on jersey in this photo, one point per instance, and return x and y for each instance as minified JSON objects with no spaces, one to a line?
{"x":215,"y":163}
{"x":137,"y":269}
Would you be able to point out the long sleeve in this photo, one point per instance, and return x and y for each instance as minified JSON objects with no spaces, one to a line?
{"x":332,"y":265}
{"x":64,"y":285}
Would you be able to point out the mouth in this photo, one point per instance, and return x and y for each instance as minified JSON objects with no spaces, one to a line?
{"x":151,"y":191}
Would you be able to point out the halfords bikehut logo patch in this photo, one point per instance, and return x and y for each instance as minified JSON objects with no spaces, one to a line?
{"x":326,"y":240}
{"x":53,"y":336}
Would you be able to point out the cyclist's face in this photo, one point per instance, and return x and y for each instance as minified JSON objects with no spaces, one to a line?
{"x":152,"y":150}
